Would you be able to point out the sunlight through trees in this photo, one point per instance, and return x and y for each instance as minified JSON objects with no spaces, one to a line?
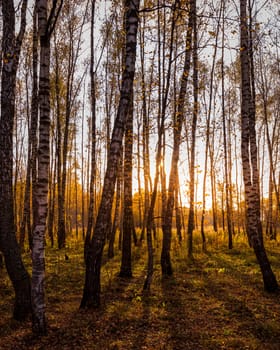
{"x":136,"y":127}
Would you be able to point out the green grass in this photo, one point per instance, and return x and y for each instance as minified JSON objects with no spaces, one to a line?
{"x":215,"y":301}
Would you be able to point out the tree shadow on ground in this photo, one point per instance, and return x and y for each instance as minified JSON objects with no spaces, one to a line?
{"x":208,"y":304}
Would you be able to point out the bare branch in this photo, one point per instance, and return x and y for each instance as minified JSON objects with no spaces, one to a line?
{"x":22,"y":27}
{"x":53,"y":16}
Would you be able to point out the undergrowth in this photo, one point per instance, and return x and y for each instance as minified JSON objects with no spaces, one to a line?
{"x":215,"y":301}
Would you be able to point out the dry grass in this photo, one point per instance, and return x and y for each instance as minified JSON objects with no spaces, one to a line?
{"x":214,"y":302}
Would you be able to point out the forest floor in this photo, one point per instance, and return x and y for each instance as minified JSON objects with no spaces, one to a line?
{"x":214,"y":302}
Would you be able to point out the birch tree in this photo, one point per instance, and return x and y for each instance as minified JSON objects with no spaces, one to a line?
{"x":11,"y":47}
{"x":193,"y":129}
{"x":46,"y":24}
{"x":173,"y":176}
{"x":91,"y":292}
{"x":249,"y":155}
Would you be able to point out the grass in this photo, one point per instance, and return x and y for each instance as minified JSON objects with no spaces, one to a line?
{"x":215,"y":301}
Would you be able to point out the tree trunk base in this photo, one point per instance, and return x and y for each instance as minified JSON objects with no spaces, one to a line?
{"x":270,"y":283}
{"x":22,"y":306}
{"x":166,"y":267}
{"x":39,"y":326}
{"x":125,"y":274}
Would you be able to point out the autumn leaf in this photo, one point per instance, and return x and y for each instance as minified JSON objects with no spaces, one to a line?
{"x":213,"y":34}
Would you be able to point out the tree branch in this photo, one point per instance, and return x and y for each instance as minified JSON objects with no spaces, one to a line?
{"x":53,"y":17}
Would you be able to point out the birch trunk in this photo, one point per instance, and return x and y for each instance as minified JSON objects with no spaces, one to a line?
{"x":191,"y":222}
{"x":91,"y":293}
{"x":126,"y":269}
{"x":45,"y":27}
{"x":166,"y":266}
{"x":249,"y":157}
{"x":11,"y":46}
